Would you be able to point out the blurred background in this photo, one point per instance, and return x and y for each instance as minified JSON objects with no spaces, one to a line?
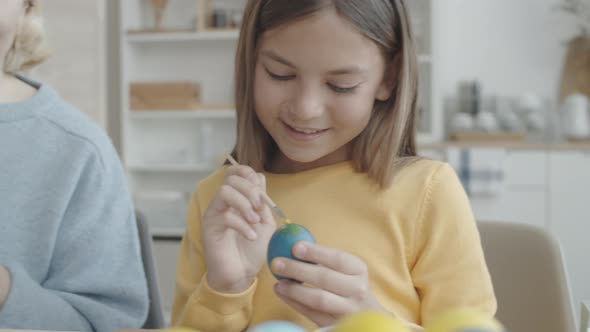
{"x":504,"y":89}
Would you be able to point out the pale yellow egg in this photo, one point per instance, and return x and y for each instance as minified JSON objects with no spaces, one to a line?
{"x":179,"y":329}
{"x":457,"y":319}
{"x":370,"y":322}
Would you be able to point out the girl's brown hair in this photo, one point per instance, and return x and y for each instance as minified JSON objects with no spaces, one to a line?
{"x":388,"y":141}
{"x":28,"y":48}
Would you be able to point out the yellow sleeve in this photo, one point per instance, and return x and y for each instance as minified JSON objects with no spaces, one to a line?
{"x":449,"y":267}
{"x":196,"y":305}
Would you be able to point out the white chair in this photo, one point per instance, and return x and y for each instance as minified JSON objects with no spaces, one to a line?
{"x":585,"y":323}
{"x":155,"y":318}
{"x":529,"y":277}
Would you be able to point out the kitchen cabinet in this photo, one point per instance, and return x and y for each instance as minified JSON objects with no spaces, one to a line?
{"x":519,"y":206}
{"x":570,"y":215}
{"x":524,"y":199}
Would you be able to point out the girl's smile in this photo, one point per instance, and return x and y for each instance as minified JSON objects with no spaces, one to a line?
{"x":304,"y":134}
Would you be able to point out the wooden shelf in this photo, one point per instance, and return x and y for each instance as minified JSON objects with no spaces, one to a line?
{"x":147,"y":36}
{"x":476,"y":137}
{"x":556,"y":146}
{"x":199,"y":114}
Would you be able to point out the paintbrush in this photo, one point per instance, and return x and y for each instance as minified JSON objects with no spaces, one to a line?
{"x":275,"y":209}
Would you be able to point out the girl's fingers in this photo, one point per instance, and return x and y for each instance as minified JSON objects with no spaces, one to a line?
{"x":232,"y":198}
{"x":245,"y":172}
{"x":317,"y":276}
{"x":321,"y":319}
{"x":251,"y":185}
{"x":333,"y":259}
{"x":235,"y":222}
{"x":316,"y":299}
{"x":252,"y":192}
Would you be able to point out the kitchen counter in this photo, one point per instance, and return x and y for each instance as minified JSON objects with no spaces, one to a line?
{"x":560,"y":146}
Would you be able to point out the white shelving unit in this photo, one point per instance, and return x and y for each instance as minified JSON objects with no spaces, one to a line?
{"x":430,"y":107}
{"x":167,"y":152}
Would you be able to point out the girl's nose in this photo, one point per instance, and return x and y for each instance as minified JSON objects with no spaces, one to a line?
{"x":307,"y":104}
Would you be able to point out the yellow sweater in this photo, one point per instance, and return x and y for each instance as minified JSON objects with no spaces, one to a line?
{"x":418,"y":239}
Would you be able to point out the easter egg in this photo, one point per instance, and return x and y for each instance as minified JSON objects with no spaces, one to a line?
{"x":282,"y":242}
{"x":463,"y":320}
{"x":276,"y":326}
{"x":370,"y":322}
{"x":179,"y":329}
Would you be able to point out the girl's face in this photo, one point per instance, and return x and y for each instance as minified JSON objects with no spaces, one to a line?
{"x":11,"y":13}
{"x":316,"y":81}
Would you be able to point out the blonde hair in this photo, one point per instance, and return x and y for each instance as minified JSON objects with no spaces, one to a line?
{"x":388,"y":142}
{"x":28,"y":48}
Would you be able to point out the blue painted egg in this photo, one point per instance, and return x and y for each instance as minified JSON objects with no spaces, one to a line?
{"x":282,"y":242}
{"x":276,"y":326}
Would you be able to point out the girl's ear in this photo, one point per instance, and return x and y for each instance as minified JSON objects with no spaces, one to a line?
{"x":389,"y":82}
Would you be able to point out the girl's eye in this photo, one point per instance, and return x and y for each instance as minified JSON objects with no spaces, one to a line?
{"x":342,"y":90}
{"x":279,"y":77}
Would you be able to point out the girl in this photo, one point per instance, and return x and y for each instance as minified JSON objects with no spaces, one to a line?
{"x":69,"y":249}
{"x":326,"y":99}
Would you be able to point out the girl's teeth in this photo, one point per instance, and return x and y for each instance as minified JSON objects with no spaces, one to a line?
{"x":307,"y":131}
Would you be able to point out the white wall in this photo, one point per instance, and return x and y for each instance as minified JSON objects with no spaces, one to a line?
{"x":76,"y":68}
{"x":511,"y":47}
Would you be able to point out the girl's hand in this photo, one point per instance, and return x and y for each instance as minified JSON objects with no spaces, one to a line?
{"x":236,"y":229}
{"x":337,"y":286}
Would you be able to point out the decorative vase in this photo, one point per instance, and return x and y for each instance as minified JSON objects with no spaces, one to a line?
{"x":159,"y":6}
{"x":576,"y":70}
{"x":203,"y":15}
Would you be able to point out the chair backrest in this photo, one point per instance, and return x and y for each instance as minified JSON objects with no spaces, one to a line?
{"x":529,"y":277}
{"x":585,"y":321}
{"x":155,"y":318}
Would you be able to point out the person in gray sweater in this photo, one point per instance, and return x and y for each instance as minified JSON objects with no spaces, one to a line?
{"x":69,"y":249}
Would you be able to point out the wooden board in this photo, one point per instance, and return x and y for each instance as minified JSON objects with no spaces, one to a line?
{"x":579,"y":140}
{"x":487,"y":137}
{"x":165,"y":95}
